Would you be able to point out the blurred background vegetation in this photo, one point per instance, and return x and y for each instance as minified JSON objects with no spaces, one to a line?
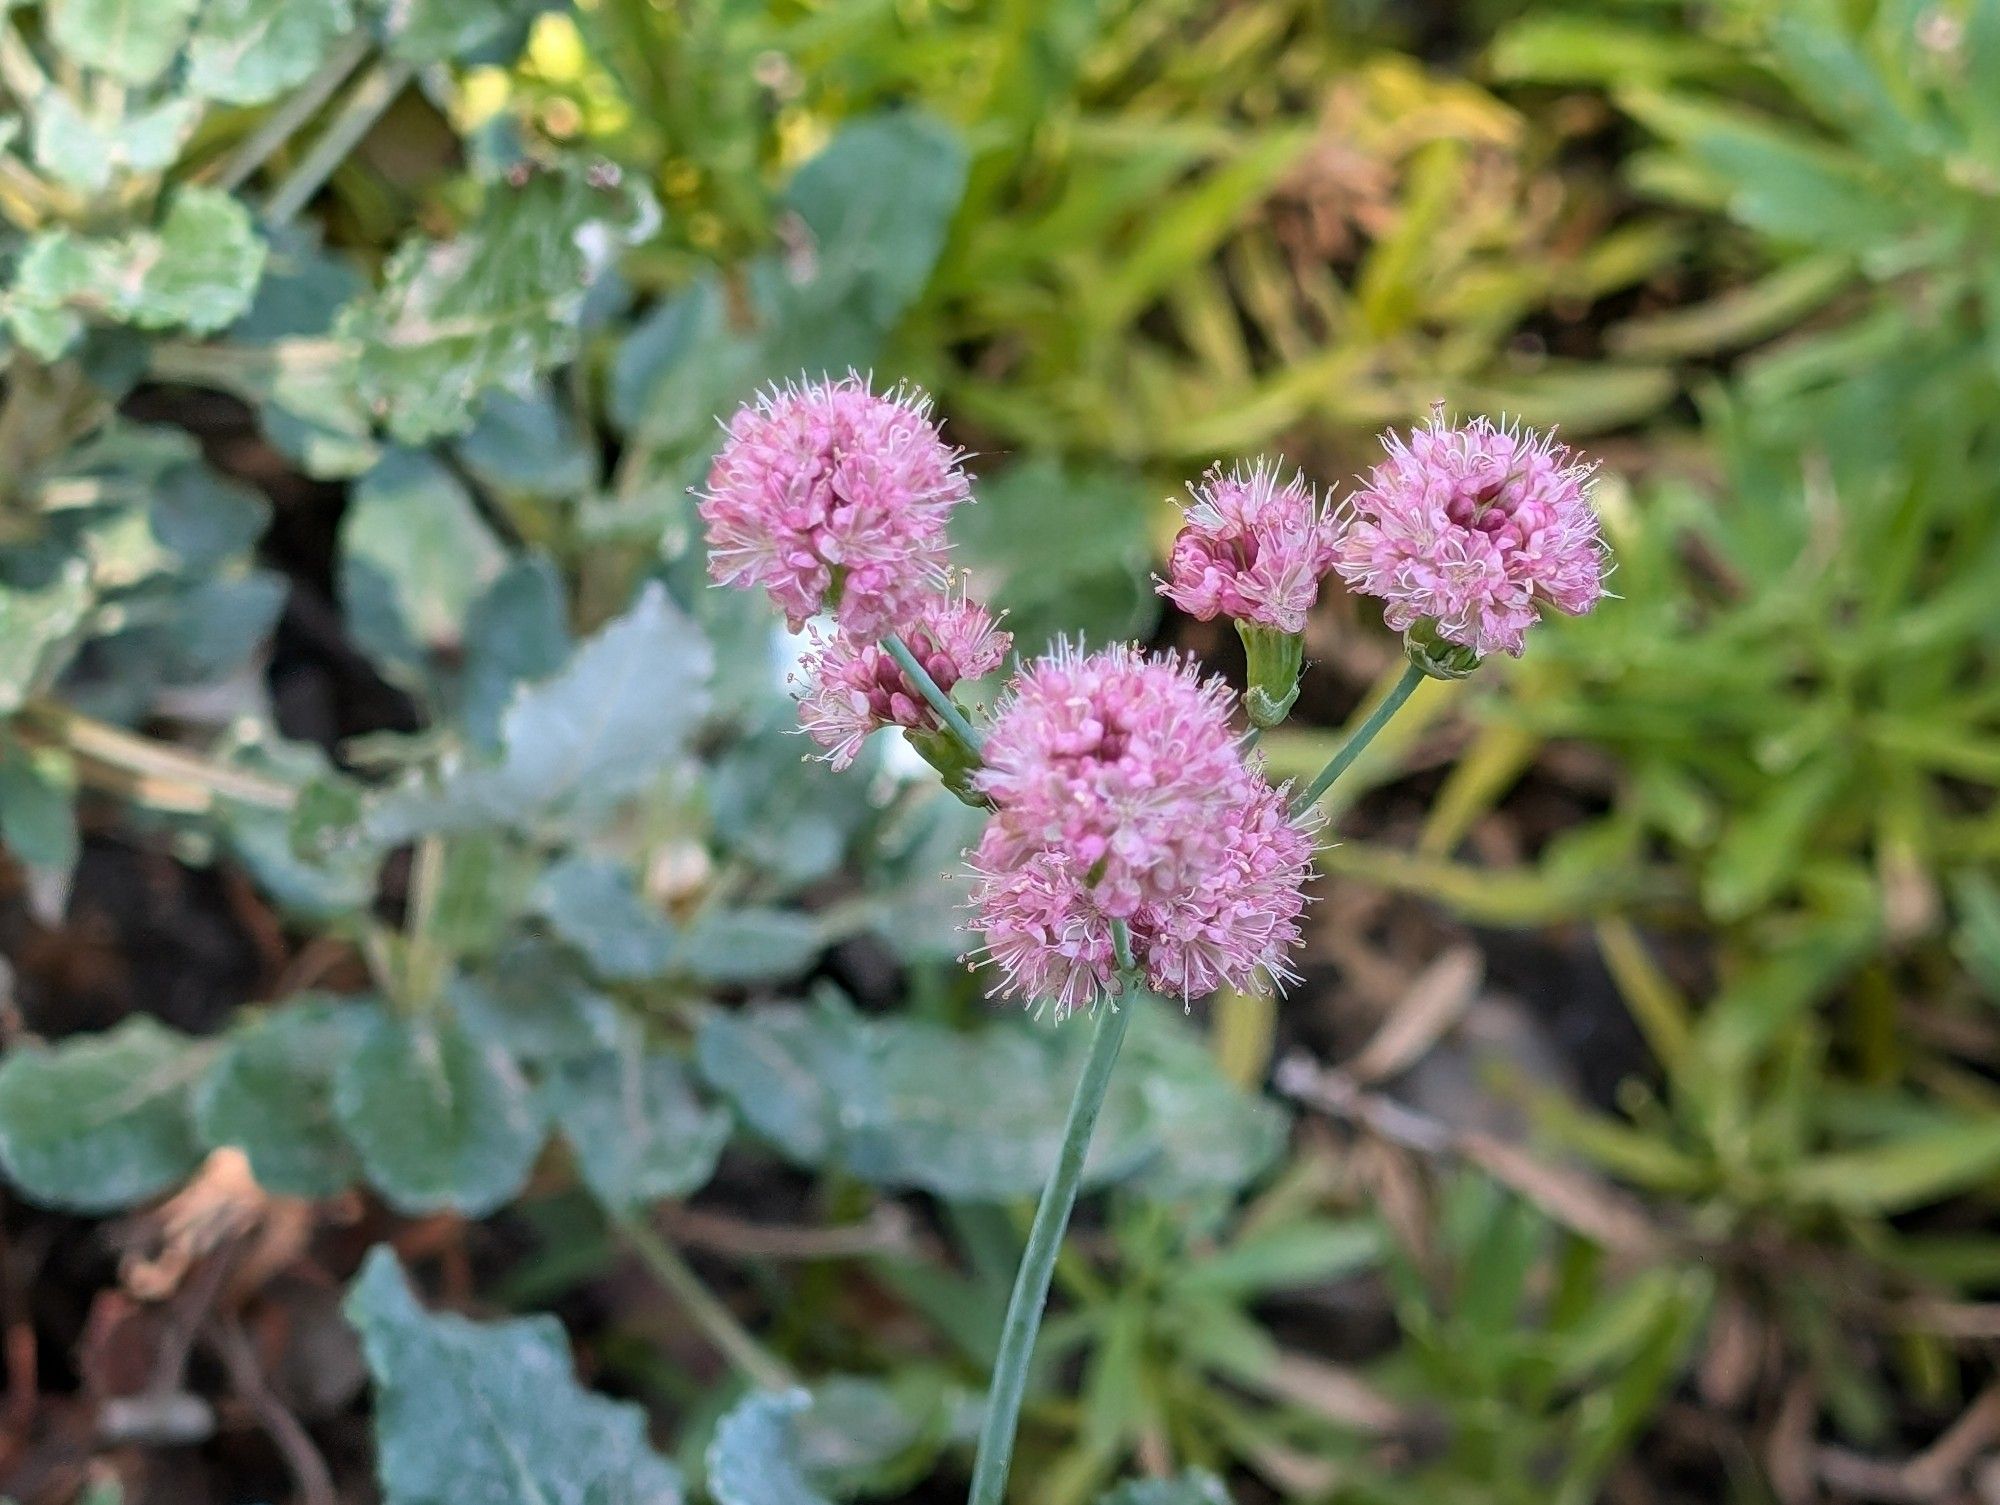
{"x":1644,"y":1087}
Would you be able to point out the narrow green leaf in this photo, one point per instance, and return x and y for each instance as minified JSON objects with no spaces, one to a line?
{"x":1925,"y":1165}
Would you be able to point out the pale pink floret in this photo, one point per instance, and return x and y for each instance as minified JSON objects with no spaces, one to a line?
{"x":829,"y":494}
{"x":1471,"y":527}
{"x":1117,"y":760}
{"x":1239,"y":928}
{"x":1120,"y":793}
{"x":1254,"y":548}
{"x":1051,"y":945}
{"x":853,"y":686}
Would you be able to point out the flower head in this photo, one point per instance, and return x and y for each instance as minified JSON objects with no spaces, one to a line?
{"x":1120,"y":794}
{"x":854,"y":687}
{"x":1254,"y":547}
{"x":1465,"y":530}
{"x":828,"y":494}
{"x":1116,"y":760}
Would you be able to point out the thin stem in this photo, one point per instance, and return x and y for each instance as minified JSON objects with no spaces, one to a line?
{"x":374,"y":94}
{"x":20,"y":74}
{"x":1038,"y":1261}
{"x":943,"y":704}
{"x":718,"y":1324}
{"x":424,"y":959}
{"x":1358,"y":743}
{"x":276,"y":128}
{"x":156,"y":773}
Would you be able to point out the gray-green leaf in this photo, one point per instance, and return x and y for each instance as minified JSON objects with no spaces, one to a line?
{"x":270,"y":1094}
{"x":437,"y":31}
{"x":492,"y":1412}
{"x":639,"y":1132}
{"x":846,"y":1437}
{"x":442,"y":1120}
{"x":100,"y":1122}
{"x":516,"y":633}
{"x":535,"y":1005}
{"x":198,"y":269}
{"x":414,"y":555}
{"x":41,"y":612}
{"x":592,"y":904}
{"x":247,"y":51}
{"x":1195,"y":1487}
{"x":38,"y":806}
{"x":730,"y":947}
{"x":455,"y":319}
{"x":75,"y":150}
{"x":132,"y":40}
{"x":752,"y":1459}
{"x":617,"y":716}
{"x":885,"y":1099}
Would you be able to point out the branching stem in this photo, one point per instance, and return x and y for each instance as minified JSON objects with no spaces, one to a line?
{"x":374,"y":94}
{"x":943,"y":704}
{"x":1357,"y":744}
{"x":718,"y":1324}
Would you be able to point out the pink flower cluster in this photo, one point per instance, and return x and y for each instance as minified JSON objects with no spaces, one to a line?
{"x":830,"y":495}
{"x":1254,"y":548}
{"x":1471,"y":528}
{"x":1119,"y":794}
{"x":853,"y":686}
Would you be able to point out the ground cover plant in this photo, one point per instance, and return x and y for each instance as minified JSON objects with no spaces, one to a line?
{"x":487,"y":1013}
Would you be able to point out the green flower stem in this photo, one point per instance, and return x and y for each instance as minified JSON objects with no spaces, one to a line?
{"x":377,"y":90}
{"x":943,"y":704}
{"x":1045,"y":1237}
{"x":718,"y":1324}
{"x":158,"y":775}
{"x":1358,"y":743}
{"x":304,"y":102}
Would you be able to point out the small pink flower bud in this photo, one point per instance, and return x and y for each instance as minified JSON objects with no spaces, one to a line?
{"x":853,"y":687}
{"x":1252,"y":548}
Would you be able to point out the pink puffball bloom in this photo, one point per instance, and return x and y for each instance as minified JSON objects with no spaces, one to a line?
{"x":854,"y":687}
{"x":1117,"y":761}
{"x":1254,"y":548}
{"x":828,"y":494}
{"x":1119,"y":793}
{"x":1471,"y":528}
